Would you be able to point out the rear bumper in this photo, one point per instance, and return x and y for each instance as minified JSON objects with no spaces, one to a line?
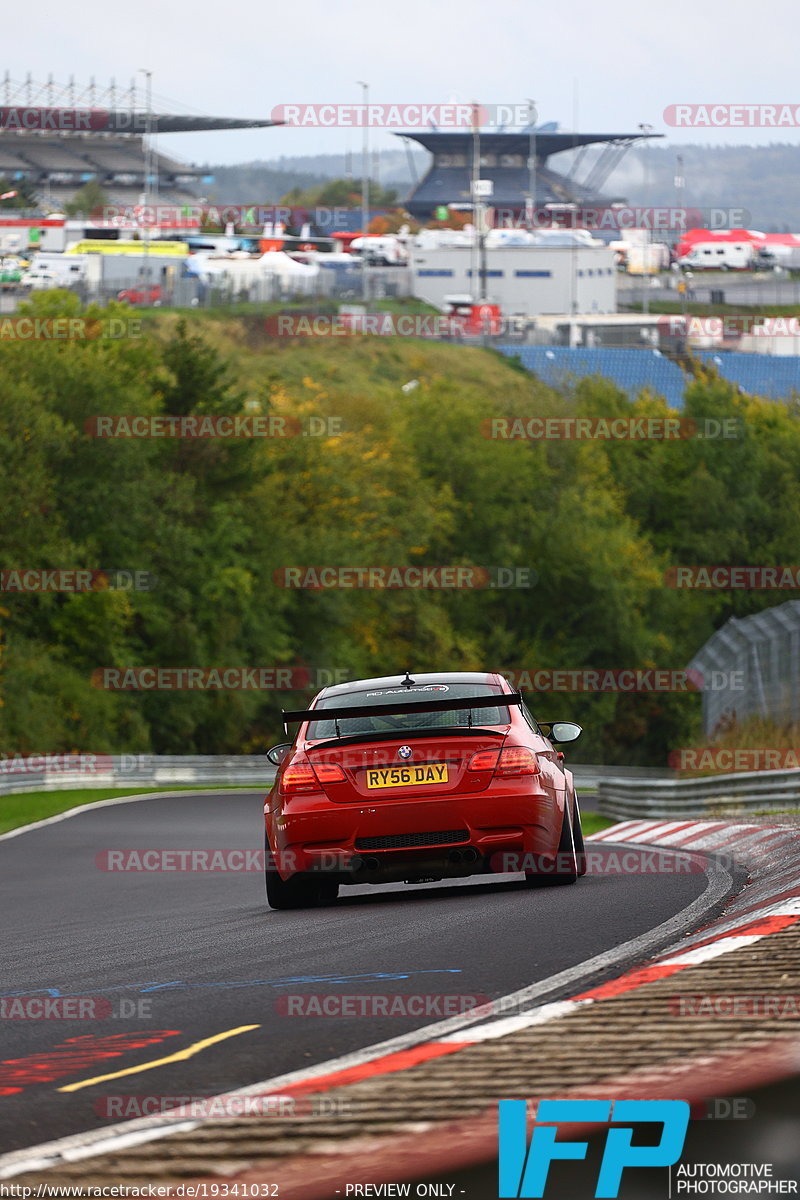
{"x":391,"y":840}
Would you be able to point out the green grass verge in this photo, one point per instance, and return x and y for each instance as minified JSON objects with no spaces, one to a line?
{"x":303,"y":304}
{"x":594,"y":823}
{"x":23,"y":808}
{"x":699,"y":309}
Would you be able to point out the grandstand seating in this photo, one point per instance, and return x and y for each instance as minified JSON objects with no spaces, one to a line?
{"x":632,"y":370}
{"x":56,"y":166}
{"x":53,"y":156}
{"x":775,"y":376}
{"x":12,"y":162}
{"x":114,"y":157}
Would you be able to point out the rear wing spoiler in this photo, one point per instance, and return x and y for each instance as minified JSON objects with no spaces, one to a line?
{"x":500,"y":700}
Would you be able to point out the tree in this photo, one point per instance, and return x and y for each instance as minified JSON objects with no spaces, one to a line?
{"x":86,"y":200}
{"x":23,"y":196}
{"x":340,"y":193}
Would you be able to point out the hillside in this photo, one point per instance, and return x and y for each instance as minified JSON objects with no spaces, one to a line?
{"x":406,"y":478}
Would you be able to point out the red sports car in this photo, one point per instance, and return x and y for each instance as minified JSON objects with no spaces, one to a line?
{"x":416,"y":780}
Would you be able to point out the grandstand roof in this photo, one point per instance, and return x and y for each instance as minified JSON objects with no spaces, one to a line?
{"x":518,"y":141}
{"x":30,"y":119}
{"x":449,"y":177}
{"x":59,"y":136}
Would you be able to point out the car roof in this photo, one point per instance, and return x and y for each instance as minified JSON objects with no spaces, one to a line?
{"x":420,"y":678}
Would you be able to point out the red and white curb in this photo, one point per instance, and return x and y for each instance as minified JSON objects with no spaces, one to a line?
{"x":770,"y":903}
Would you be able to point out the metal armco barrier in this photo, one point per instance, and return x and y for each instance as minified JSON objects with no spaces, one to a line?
{"x":588,"y":776}
{"x":742,"y":792}
{"x":240,"y":770}
{"x":132,"y":771}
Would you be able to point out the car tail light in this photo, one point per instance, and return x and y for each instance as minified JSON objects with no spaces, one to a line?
{"x":299,"y":776}
{"x":511,"y":760}
{"x":517,"y":760}
{"x":329,"y":773}
{"x":484,"y":760}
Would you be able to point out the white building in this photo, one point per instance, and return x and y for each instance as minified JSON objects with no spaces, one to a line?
{"x":525,"y":280}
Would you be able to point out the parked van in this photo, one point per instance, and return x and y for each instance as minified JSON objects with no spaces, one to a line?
{"x":718,"y":256}
{"x":54,"y":271}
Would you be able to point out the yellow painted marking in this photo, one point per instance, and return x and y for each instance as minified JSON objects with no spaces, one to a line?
{"x":179,"y":1056}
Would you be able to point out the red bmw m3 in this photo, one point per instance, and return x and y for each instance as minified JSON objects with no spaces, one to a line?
{"x":439,"y":776}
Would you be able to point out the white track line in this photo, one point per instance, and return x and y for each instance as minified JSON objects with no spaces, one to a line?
{"x":114,"y":800}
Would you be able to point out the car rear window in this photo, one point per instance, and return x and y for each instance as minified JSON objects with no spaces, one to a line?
{"x":459,"y":718}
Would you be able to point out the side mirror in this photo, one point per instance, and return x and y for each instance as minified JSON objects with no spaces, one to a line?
{"x":276,"y":754}
{"x":560,"y":731}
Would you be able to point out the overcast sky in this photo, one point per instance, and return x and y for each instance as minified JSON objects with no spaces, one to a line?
{"x":588,"y":65}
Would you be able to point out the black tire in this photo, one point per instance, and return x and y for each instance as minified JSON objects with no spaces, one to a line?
{"x":566,"y":861}
{"x":298,"y":892}
{"x":328,"y":890}
{"x":577,"y":838}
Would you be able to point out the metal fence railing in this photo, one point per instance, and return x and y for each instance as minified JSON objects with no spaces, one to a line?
{"x":751,"y":666}
{"x":222,"y":291}
{"x":134,"y":770}
{"x":714,"y":795}
{"x":55,"y":772}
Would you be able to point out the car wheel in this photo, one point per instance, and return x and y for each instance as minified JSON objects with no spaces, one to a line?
{"x":298,"y":892}
{"x":327,"y":890}
{"x":566,"y":861}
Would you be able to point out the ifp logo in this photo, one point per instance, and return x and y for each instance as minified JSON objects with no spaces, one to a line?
{"x":524,"y":1169}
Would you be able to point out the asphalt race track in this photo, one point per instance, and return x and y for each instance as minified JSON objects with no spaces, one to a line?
{"x":197,"y":954}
